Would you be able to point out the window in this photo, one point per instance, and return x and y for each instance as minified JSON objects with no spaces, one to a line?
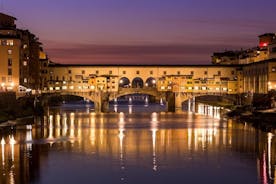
{"x":97,"y":71}
{"x":9,"y":71}
{"x":232,"y":72}
{"x":273,"y":49}
{"x":151,"y":72}
{"x":69,"y":71}
{"x":206,"y":73}
{"x":165,"y":72}
{"x":25,"y":63}
{"x":137,"y":72}
{"x":110,"y":72}
{"x":83,"y":72}
{"x":4,"y":79}
{"x":25,"y":46}
{"x":3,"y":42}
{"x":9,"y":62}
{"x":219,"y":72}
{"x":178,"y":72}
{"x":10,"y":42}
{"x":70,"y":78}
{"x":57,"y":78}
{"x":25,"y":80}
{"x":9,"y":79}
{"x":9,"y":52}
{"x":273,"y":69}
{"x":124,"y":72}
{"x":192,"y":72}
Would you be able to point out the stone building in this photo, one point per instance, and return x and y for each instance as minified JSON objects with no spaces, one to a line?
{"x":19,"y":56}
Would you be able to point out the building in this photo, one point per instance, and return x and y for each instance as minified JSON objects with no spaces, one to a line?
{"x":177,"y":78}
{"x":10,"y":46}
{"x":251,"y":55}
{"x":19,"y":57}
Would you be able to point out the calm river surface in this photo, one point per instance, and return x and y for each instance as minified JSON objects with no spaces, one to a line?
{"x":137,"y":145}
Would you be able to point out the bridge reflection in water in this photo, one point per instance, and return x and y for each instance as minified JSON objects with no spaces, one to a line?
{"x":122,"y":144}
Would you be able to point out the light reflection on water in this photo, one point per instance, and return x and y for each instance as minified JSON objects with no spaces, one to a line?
{"x":70,"y":146}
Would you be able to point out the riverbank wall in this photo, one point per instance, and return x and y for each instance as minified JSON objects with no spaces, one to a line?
{"x":12,"y":108}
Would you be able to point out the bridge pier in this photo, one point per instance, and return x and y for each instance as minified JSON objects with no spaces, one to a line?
{"x":178,"y":102}
{"x":102,"y":105}
{"x":170,"y":100}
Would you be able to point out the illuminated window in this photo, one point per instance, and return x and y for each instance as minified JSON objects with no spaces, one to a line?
{"x":25,"y":80}
{"x":273,"y":69}
{"x":25,"y":63}
{"x":10,"y":42}
{"x":9,"y":51}
{"x":25,"y":46}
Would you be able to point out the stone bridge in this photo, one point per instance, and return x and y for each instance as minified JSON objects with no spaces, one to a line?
{"x":101,"y":99}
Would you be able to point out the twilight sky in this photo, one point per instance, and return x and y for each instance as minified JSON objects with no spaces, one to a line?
{"x":142,"y":31}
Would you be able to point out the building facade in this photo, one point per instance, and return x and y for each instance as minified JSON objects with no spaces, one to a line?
{"x":19,"y":57}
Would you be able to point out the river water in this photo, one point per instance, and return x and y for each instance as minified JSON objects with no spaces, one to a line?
{"x":136,"y":144}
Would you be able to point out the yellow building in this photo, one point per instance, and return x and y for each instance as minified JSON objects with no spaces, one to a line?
{"x":9,"y":54}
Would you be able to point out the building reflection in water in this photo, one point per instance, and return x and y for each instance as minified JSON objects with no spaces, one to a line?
{"x":158,"y":144}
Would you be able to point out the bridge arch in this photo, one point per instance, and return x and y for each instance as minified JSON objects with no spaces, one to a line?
{"x":137,"y":83}
{"x":209,"y":98}
{"x":124,"y":82}
{"x":150,"y":82}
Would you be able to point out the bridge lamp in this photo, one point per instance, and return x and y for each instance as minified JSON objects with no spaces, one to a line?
{"x":147,"y":84}
{"x":121,"y":81}
{"x":153,"y":81}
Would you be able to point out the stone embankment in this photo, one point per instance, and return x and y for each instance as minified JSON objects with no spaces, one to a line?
{"x":12,"y":108}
